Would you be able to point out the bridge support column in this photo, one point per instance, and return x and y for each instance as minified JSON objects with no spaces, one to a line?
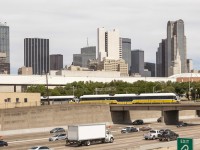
{"x":162,"y":116}
{"x":121,"y":117}
{"x":198,"y":113}
{"x":171,"y":117}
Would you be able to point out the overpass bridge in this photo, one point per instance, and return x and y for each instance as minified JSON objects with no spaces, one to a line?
{"x":170,"y":112}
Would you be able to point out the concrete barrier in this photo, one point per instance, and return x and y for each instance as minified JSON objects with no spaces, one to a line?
{"x":44,"y":118}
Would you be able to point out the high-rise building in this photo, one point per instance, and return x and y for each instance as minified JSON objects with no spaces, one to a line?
{"x":176,"y":41}
{"x":56,"y":62}
{"x":109,"y":45}
{"x":160,"y":59}
{"x":82,"y":59}
{"x":170,"y":49}
{"x":36,"y":55}
{"x":126,"y":50}
{"x":189,"y":65}
{"x":114,"y":65}
{"x":4,"y":49}
{"x":150,"y":67}
{"x":137,"y":62}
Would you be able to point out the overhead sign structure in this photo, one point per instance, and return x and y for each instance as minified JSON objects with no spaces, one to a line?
{"x":184,"y":144}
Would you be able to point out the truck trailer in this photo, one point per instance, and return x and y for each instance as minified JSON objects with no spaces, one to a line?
{"x":88,"y":133}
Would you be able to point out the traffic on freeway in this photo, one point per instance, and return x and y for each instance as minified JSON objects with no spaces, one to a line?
{"x":127,"y":140}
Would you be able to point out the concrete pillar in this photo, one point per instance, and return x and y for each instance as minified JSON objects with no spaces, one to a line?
{"x":121,"y":117}
{"x":171,"y":117}
{"x":198,"y":113}
{"x":162,"y":116}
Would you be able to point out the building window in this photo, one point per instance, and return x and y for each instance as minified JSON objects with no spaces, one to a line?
{"x":5,"y":100}
{"x":17,"y":100}
{"x":9,"y":100}
{"x":25,"y":100}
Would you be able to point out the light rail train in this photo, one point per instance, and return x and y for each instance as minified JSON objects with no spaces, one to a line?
{"x":145,"y":98}
{"x":59,"y":99}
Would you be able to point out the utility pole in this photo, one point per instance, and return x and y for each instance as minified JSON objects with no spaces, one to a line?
{"x":73,"y":90}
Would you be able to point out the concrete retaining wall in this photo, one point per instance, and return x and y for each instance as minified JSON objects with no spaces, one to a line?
{"x":54,"y":115}
{"x":62,"y":115}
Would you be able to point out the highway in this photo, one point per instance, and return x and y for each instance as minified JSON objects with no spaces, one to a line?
{"x":127,"y":141}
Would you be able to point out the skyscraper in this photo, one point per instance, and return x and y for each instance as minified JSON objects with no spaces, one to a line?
{"x":4,"y":49}
{"x":150,"y":67}
{"x":171,"y":56}
{"x":56,"y":62}
{"x":108,"y":44}
{"x":82,"y":59}
{"x":126,"y":50}
{"x":137,"y":62}
{"x":176,"y":41}
{"x":161,"y":62}
{"x":36,"y":55}
{"x":189,"y":65}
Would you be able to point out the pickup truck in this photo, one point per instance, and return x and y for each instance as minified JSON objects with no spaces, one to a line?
{"x":152,"y":135}
{"x":168,"y":135}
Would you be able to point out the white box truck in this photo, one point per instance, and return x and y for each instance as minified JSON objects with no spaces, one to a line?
{"x":88,"y":133}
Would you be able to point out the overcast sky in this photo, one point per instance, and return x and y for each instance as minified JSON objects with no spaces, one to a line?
{"x":68,"y":23}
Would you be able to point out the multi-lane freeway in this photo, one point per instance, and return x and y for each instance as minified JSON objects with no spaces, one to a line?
{"x":128,"y":141}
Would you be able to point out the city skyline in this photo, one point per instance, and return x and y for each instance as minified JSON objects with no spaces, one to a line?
{"x":68,"y":24}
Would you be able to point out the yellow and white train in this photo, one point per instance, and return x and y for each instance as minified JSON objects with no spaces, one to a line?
{"x":145,"y":98}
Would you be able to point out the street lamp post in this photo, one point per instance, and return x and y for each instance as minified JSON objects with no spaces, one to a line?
{"x":155,"y":87}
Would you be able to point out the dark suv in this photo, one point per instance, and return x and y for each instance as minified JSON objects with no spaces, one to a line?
{"x":168,"y":135}
{"x":138,"y":122}
{"x":3,"y":143}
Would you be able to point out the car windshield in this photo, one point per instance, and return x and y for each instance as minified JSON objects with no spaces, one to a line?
{"x":127,"y":127}
{"x":152,"y":131}
{"x":166,"y":132}
{"x":34,"y":148}
{"x":54,"y":129}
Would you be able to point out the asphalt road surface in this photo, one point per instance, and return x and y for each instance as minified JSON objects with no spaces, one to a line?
{"x":127,"y":141}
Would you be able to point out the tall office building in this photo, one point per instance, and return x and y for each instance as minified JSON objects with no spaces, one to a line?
{"x":150,"y":67}
{"x":189,"y":65}
{"x":160,"y":59}
{"x":56,"y":62}
{"x":126,"y":50}
{"x":4,"y":49}
{"x":109,"y":45}
{"x":176,"y":41}
{"x":137,"y":62}
{"x":82,"y":59}
{"x":114,"y":65}
{"x":171,"y":49}
{"x":36,"y":55}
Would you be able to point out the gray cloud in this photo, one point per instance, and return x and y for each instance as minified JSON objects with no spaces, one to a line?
{"x":68,"y":23}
